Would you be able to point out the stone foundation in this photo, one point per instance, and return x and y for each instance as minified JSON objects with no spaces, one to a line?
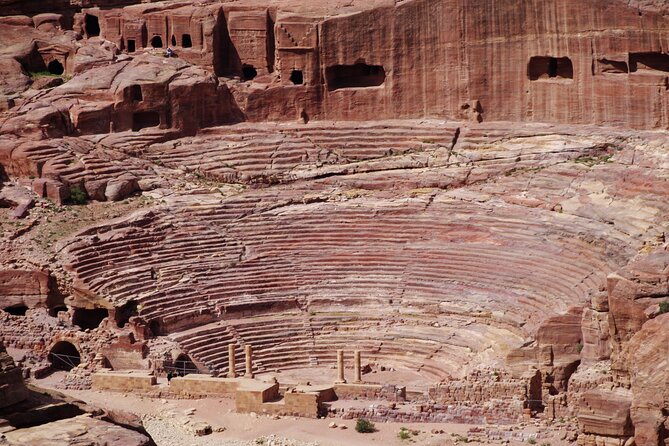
{"x":493,"y":412}
{"x":125,"y":381}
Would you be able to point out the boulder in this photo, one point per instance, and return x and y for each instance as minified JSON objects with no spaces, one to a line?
{"x":606,"y":412}
{"x":12,"y":388}
{"x":120,"y":188}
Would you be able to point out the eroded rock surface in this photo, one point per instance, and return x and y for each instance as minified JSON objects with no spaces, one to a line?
{"x":429,"y":182}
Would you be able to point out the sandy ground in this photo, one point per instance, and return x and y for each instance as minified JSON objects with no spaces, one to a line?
{"x":320,"y":375}
{"x":164,"y":420}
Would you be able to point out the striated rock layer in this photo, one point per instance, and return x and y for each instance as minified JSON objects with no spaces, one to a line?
{"x":425,"y":181}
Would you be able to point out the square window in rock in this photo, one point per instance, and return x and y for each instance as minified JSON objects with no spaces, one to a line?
{"x":297,"y":77}
{"x":359,"y":75}
{"x":186,"y":41}
{"x":541,"y":67}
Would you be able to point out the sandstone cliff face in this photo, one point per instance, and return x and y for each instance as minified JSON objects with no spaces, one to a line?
{"x":639,"y":348}
{"x":658,"y":6}
{"x":564,"y":61}
{"x":501,"y":54}
{"x":646,"y":358}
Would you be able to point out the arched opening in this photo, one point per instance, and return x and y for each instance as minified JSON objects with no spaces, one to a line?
{"x":17,"y":310}
{"x":249,"y":72}
{"x":104,"y":362}
{"x":53,"y":312}
{"x":183,"y":365}
{"x":131,"y":46}
{"x":136,"y":93}
{"x":124,"y":313}
{"x":186,"y":41}
{"x":89,"y":319}
{"x":64,"y":356}
{"x":55,"y":67}
{"x":92,"y":25}
{"x":157,"y":42}
{"x":174,"y":40}
{"x":297,"y":77}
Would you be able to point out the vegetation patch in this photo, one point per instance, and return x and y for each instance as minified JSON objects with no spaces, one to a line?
{"x":78,"y":196}
{"x":664,"y":307}
{"x":364,"y":426}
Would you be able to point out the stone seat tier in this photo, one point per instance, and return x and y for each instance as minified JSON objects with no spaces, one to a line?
{"x":239,"y":149}
{"x":479,"y":265}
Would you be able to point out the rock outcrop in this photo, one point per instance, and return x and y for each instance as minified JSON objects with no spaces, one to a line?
{"x":428,"y":182}
{"x":12,"y":388}
{"x":639,"y":349}
{"x":21,"y":288}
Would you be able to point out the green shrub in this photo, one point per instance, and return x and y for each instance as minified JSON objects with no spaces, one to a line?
{"x":36,"y":74}
{"x":364,"y":426}
{"x":579,"y":347}
{"x":404,"y":434}
{"x":77,"y":195}
{"x":531,"y":441}
{"x":664,"y":307}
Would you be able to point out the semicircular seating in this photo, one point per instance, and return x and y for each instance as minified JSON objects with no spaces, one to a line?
{"x":430,"y":281}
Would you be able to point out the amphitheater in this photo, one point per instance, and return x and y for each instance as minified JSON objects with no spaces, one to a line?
{"x":436,"y":212}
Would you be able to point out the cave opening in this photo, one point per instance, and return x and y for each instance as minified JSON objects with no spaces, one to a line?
{"x":53,"y":312}
{"x":649,"y":61}
{"x":143,"y":120}
{"x":124,"y":313}
{"x":541,"y":67}
{"x":359,"y":75}
{"x":612,"y":66}
{"x":155,"y":327}
{"x":89,"y":319}
{"x":131,"y":46}
{"x":157,"y":42}
{"x":55,"y":67}
{"x":297,"y":77}
{"x":136,"y":93}
{"x":249,"y":72}
{"x":64,"y":356}
{"x":174,"y":40}
{"x":17,"y":310}
{"x":186,"y":41}
{"x":92,"y":24}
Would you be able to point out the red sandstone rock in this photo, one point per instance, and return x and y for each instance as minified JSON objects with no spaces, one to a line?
{"x":606,"y":412}
{"x":646,"y":357}
{"x":458,"y":242}
{"x":21,"y":287}
{"x":12,"y":388}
